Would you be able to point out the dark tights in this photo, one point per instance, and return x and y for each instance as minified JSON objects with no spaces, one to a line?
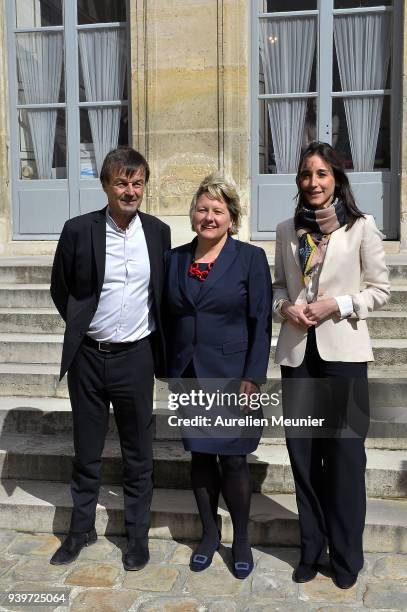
{"x":234,"y":480}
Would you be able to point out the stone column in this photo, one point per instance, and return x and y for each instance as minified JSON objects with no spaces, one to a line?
{"x":403,"y":127}
{"x":189,"y":99}
{"x":5,"y":191}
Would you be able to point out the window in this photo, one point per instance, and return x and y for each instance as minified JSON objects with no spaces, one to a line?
{"x":326,"y":70}
{"x":68,"y":67}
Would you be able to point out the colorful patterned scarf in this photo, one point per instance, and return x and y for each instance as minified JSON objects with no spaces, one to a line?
{"x":314,"y":227}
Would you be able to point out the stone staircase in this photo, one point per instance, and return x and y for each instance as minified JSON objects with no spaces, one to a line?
{"x":36,"y":432}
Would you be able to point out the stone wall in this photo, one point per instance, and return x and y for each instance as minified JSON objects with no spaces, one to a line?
{"x":403,"y":127}
{"x":190,"y":74}
{"x":5,"y":197}
{"x":190,"y":98}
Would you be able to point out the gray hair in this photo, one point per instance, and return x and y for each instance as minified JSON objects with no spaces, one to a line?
{"x":218,"y":187}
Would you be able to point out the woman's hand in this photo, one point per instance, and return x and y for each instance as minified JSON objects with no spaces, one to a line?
{"x":247,"y":387}
{"x":321,"y":310}
{"x":295,"y":314}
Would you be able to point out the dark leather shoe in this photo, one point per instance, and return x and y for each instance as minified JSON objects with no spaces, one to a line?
{"x":137,"y":555}
{"x":72,"y":546}
{"x":304,"y":573}
{"x":345,"y":581}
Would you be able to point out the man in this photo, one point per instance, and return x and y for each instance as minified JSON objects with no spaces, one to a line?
{"x":106,"y":283}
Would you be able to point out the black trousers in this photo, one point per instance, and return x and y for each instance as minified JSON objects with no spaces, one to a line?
{"x":329,"y":470}
{"x":126,"y":380}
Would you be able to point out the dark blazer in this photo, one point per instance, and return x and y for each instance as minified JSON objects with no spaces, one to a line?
{"x":78,"y":274}
{"x":227,"y":331}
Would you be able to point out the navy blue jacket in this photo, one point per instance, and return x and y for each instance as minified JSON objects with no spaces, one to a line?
{"x":227,"y":332}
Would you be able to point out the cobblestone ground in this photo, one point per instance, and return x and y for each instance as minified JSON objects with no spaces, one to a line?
{"x":97,"y":580}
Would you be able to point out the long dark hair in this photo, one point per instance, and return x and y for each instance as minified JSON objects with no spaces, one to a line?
{"x":343,"y":190}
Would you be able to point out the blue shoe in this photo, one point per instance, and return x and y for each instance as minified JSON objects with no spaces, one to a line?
{"x":200,"y":562}
{"x":242,"y":560}
{"x":242,"y":569}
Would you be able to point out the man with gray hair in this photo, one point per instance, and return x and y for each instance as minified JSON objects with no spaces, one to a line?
{"x":107,"y":282}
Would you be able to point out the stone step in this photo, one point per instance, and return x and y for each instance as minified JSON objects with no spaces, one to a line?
{"x":386,"y":324}
{"x":33,"y":348}
{"x":46,"y":506}
{"x":52,"y":416}
{"x":397,"y":268}
{"x":382,"y":324}
{"x":25,"y":296}
{"x":38,"y":380}
{"x":43,"y":348}
{"x":35,"y":457}
{"x":390,"y":352}
{"x":31,"y":320}
{"x":37,"y":296}
{"x":398,"y":298}
{"x":37,"y":269}
{"x":26,"y":270}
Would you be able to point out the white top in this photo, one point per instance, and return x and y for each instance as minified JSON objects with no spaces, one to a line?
{"x":124,"y":312}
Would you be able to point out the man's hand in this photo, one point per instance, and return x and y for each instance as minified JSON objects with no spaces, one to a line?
{"x":295,"y":314}
{"x":247,"y":387}
{"x":321,"y":310}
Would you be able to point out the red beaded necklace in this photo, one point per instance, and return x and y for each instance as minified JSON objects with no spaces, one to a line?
{"x":195,"y":271}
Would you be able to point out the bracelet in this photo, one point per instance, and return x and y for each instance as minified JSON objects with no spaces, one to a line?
{"x":279,"y":306}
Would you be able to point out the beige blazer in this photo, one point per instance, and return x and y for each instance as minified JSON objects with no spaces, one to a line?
{"x":354,"y":265}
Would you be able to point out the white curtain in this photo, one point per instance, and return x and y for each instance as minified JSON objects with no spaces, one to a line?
{"x":103,"y":57}
{"x":287,"y":48}
{"x":363,"y":45}
{"x":39,"y":56}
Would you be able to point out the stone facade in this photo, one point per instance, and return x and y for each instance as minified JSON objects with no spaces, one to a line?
{"x":190,"y":75}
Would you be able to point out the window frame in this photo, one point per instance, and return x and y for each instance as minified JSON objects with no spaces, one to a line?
{"x":324,"y":96}
{"x":74,"y":185}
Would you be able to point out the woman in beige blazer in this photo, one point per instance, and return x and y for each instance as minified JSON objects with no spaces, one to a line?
{"x":329,"y":273}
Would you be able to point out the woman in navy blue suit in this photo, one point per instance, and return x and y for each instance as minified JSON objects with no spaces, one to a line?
{"x":218,"y":300}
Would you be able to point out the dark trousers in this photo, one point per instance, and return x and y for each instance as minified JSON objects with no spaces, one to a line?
{"x":329,"y":470}
{"x":126,"y":380}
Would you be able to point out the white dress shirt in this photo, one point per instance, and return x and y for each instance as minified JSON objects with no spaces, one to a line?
{"x":124,"y":312}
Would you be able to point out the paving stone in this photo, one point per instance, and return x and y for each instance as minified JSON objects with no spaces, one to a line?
{"x":39,"y":570}
{"x":212,"y":583}
{"x":227,"y":605}
{"x":183,"y":552}
{"x":387,"y":594}
{"x":104,"y":600}
{"x":173,"y":604}
{"x":277,"y":583}
{"x":343,"y":608}
{"x":152,"y":578}
{"x":5,"y":538}
{"x":6,"y":564}
{"x":94,"y":575}
{"x":393,"y":567}
{"x":34,"y":544}
{"x":118,"y":544}
{"x":323,"y":589}
{"x":266,"y":605}
{"x":101,"y":549}
{"x":160,"y":550}
{"x":282,"y":559}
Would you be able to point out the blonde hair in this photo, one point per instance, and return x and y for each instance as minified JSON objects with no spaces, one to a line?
{"x":218,"y":187}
